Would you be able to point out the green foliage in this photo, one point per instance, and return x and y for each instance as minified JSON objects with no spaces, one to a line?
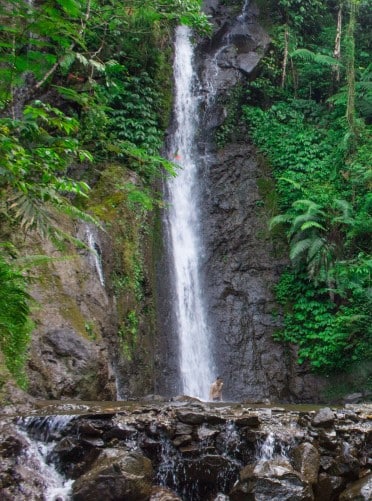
{"x":36,"y":152}
{"x":297,"y":149}
{"x":326,"y":216}
{"x":332,"y":338}
{"x":319,"y":149}
{"x":102,"y":65}
{"x":15,"y":326}
{"x":128,"y":334}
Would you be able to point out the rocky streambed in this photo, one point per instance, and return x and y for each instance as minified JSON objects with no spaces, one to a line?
{"x":188,"y":450}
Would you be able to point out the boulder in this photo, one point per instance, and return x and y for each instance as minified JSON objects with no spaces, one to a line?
{"x":248,"y":420}
{"x":163,"y":494}
{"x":324,"y":418}
{"x":328,"y":487}
{"x":22,"y":475}
{"x":273,"y":480}
{"x":189,"y":417}
{"x":116,"y":475}
{"x":306,"y":459}
{"x":73,"y":456}
{"x":182,"y":440}
{"x":361,"y":490}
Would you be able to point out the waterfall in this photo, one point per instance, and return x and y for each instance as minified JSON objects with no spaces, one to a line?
{"x":243,"y":15}
{"x":266,"y":452}
{"x":57,"y":488}
{"x":96,"y":253}
{"x":193,"y":333}
{"x":40,"y":434}
{"x":273,"y":448}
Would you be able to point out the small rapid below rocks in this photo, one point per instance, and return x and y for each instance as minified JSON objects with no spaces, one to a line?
{"x":186,"y":450}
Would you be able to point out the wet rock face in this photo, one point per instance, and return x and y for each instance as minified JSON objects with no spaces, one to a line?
{"x":138,"y":452}
{"x":241,"y":268}
{"x":240,"y":262}
{"x":240,"y":273}
{"x":116,"y":475}
{"x":221,"y":61}
{"x":69,"y":351}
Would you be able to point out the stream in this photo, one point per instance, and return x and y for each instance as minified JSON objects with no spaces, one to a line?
{"x":185,"y":449}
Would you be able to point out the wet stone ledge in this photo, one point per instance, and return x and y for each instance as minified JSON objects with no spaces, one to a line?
{"x":188,"y":450}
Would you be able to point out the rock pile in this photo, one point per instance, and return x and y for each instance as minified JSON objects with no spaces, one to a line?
{"x":195,"y":451}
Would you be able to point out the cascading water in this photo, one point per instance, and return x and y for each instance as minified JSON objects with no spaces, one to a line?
{"x":96,"y":253}
{"x":273,"y":448}
{"x":40,"y":434}
{"x":194,"y":337}
{"x":243,"y":15}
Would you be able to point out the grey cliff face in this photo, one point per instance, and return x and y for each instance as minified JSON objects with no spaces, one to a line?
{"x":239,"y":264}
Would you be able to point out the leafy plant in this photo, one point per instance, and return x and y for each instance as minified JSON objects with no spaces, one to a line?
{"x":319,"y":151}
{"x":15,"y":326}
{"x":128,"y":334}
{"x":36,"y":152}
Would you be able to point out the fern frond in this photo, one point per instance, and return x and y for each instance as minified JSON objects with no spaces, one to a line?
{"x":311,"y":224}
{"x":308,"y":56}
{"x":279,"y":219}
{"x":295,"y":184}
{"x":72,"y":211}
{"x":315,"y":247}
{"x":299,"y":221}
{"x":28,"y":262}
{"x":299,"y":248}
{"x":346,"y":209}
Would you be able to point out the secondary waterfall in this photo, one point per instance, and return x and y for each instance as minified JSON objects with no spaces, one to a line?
{"x":194,"y":337}
{"x":96,"y":253}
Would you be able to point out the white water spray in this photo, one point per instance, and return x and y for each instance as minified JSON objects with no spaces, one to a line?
{"x":243,"y":15}
{"x":273,"y":449}
{"x":95,"y":253}
{"x":194,"y":336}
{"x":39,"y":433}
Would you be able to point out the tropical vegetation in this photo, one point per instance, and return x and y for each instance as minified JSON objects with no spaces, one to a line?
{"x":309,"y":112}
{"x":82,"y":86}
{"x":85,"y":94}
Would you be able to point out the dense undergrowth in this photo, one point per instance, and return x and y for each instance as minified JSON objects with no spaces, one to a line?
{"x":84,"y":86}
{"x":309,"y":112}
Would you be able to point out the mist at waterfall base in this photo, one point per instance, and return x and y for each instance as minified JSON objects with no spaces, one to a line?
{"x":195,"y":360}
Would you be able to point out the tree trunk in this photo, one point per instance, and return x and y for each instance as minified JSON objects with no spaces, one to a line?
{"x":337,"y":49}
{"x":285,"y":57}
{"x":350,"y":68}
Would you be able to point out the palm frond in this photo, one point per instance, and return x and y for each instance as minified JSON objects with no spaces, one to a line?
{"x":30,"y":212}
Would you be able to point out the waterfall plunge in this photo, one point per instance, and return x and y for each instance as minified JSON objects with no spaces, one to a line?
{"x":194,"y":350}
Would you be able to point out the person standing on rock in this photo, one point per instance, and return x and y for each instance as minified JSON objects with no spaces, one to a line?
{"x":215,"y":393}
